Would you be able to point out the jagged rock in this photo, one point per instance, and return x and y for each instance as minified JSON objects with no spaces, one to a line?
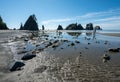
{"x":60,"y":27}
{"x":16,"y":65}
{"x":31,"y":23}
{"x":114,"y":50}
{"x":43,"y":28}
{"x":98,"y":28}
{"x":89,"y":26}
{"x":21,"y":27}
{"x":74,"y":27}
{"x":28,"y":56}
{"x":3,"y":25}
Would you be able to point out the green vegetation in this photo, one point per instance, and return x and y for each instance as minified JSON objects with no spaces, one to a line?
{"x":3,"y":25}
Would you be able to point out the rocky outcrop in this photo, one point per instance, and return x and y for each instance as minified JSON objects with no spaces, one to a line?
{"x":60,"y":27}
{"x":21,"y":27}
{"x":3,"y":26}
{"x":74,"y":27}
{"x":89,"y":26}
{"x":98,"y":28}
{"x":28,"y":56}
{"x":31,"y":24}
{"x":16,"y":65}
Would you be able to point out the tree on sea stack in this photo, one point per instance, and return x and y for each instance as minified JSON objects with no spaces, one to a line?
{"x":60,"y":27}
{"x":74,"y":26}
{"x":89,"y":26}
{"x":31,"y":23}
{"x":3,"y":25}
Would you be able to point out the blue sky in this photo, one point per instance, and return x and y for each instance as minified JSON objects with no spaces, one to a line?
{"x":51,"y":13}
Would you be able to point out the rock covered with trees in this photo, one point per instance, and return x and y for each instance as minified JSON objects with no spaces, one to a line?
{"x":89,"y":26}
{"x":30,"y":24}
{"x":74,"y":26}
{"x":60,"y":27}
{"x":98,"y":28}
{"x":3,"y":25}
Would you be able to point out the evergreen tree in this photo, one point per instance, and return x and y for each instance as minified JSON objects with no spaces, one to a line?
{"x":3,"y":25}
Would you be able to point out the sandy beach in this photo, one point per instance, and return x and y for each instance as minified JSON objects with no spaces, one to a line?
{"x":60,"y":56}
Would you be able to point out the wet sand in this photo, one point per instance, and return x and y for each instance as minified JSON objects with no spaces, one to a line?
{"x":111,"y":34}
{"x":73,"y":57}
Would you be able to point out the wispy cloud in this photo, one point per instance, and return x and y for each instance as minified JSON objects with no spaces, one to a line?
{"x":57,"y":20}
{"x":96,"y":17}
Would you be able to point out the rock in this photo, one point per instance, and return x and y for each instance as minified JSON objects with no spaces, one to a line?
{"x":16,"y":65}
{"x":114,"y":50}
{"x":30,"y":24}
{"x":60,"y":27}
{"x":105,"y":58}
{"x":25,"y":39}
{"x":98,"y":28}
{"x":28,"y":56}
{"x":89,"y":26}
{"x":72,"y":44}
{"x":77,"y":41}
{"x":88,"y":43}
{"x":74,"y":27}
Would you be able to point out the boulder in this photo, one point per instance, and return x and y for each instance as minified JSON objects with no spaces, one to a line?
{"x":16,"y":65}
{"x":114,"y":50}
{"x":28,"y":56}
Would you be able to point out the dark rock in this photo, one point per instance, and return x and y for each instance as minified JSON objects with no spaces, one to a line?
{"x":89,"y":26}
{"x":21,"y":27}
{"x":31,"y":23}
{"x":98,"y":28}
{"x":77,"y":41}
{"x":72,"y":44}
{"x":74,"y":27}
{"x":16,"y":66}
{"x":43,"y":28}
{"x":114,"y":50}
{"x":25,"y":39}
{"x":60,"y":27}
{"x":28,"y":56}
{"x":105,"y":58}
{"x":88,"y":43}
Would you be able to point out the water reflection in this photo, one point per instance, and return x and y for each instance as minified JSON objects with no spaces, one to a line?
{"x":76,"y":34}
{"x":88,"y":33}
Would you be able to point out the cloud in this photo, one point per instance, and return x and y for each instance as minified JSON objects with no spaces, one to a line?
{"x":104,"y":18}
{"x":57,"y":20}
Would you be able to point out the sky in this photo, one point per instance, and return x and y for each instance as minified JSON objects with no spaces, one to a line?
{"x":51,"y":13}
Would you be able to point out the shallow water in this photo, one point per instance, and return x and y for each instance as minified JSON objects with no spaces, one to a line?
{"x":73,"y":56}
